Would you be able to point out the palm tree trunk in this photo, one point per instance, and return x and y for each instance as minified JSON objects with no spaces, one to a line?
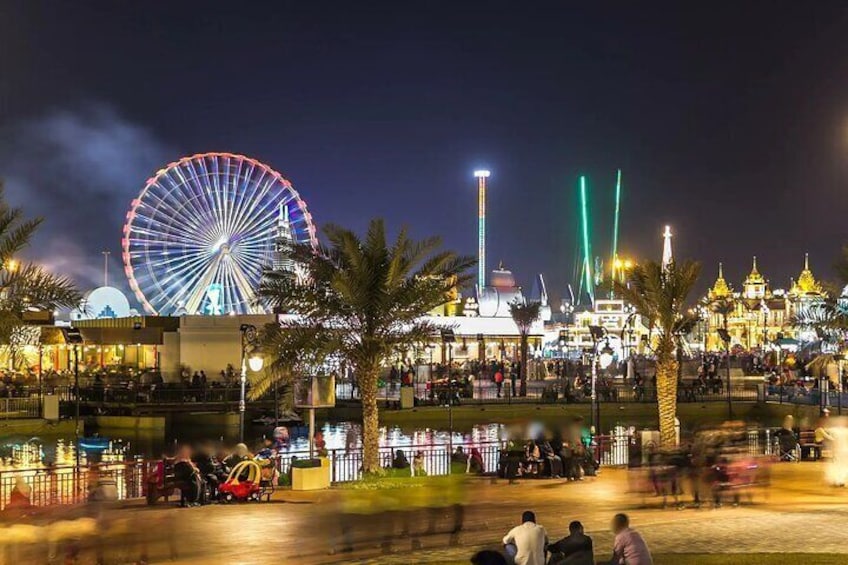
{"x":666,"y":382}
{"x":523,"y":390}
{"x":370,"y":421}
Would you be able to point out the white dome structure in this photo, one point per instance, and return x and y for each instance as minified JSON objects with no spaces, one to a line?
{"x":103,"y":302}
{"x":493,"y":301}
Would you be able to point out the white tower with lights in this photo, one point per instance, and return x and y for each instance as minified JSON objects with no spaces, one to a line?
{"x":667,"y":257}
{"x":283,"y":241}
{"x":481,"y":175}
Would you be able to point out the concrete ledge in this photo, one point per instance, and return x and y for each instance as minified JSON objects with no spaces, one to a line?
{"x":36,"y":427}
{"x":227,"y":419}
{"x":132,"y":422}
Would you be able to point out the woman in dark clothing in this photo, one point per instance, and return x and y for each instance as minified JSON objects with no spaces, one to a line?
{"x":188,"y":477}
{"x":211,"y":470}
{"x":400,"y":461}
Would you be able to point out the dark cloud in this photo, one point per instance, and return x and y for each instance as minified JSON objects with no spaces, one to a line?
{"x":78,"y":169}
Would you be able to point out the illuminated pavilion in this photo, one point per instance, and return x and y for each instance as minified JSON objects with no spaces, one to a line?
{"x":759,"y":314}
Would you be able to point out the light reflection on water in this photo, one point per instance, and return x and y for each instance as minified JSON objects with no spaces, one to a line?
{"x":341,"y":435}
{"x":337,"y":435}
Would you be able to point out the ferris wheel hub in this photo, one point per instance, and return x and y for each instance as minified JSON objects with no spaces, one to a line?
{"x":222,"y":245}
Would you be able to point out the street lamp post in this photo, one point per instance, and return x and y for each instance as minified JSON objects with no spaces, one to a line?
{"x":725,"y":336}
{"x":429,"y":349}
{"x":448,"y":339}
{"x":450,"y":398}
{"x":76,"y":406}
{"x":598,"y":333}
{"x":249,"y":338}
{"x":563,"y":345}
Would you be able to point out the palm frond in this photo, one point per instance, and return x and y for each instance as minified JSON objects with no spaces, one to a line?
{"x":660,"y":296}
{"x":524,"y":314}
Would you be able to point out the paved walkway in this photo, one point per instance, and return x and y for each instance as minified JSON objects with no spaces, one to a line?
{"x":796,"y":514}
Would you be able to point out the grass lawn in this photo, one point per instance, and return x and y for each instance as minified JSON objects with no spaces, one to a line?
{"x":639,"y":414}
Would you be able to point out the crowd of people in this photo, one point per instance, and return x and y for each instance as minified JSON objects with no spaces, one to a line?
{"x":13,"y":385}
{"x":566,"y":452}
{"x":461,"y":462}
{"x":529,"y":544}
{"x":199,"y":470}
{"x":714,"y":466}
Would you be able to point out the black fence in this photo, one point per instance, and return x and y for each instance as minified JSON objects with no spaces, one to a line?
{"x":156,"y":394}
{"x":346,"y":464}
{"x":832,"y":400}
{"x":549,"y":391}
{"x":63,"y":485}
{"x":67,"y":484}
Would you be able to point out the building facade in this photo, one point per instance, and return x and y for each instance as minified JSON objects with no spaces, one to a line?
{"x":758,"y":316}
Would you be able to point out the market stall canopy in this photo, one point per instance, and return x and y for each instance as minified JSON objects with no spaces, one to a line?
{"x":485,"y":326}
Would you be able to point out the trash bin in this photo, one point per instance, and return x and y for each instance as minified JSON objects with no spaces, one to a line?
{"x":407,"y":397}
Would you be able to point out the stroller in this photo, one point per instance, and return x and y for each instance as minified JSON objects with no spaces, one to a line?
{"x":787,"y":445}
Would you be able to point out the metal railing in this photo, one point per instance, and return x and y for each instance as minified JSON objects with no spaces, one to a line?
{"x":552,"y":391}
{"x":152,"y":394}
{"x":833,"y":400}
{"x":24,"y":407}
{"x":346,"y":465}
{"x":67,"y":484}
{"x":63,"y":485}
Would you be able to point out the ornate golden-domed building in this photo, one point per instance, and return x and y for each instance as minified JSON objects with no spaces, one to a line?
{"x":806,"y":286}
{"x":757,"y":315}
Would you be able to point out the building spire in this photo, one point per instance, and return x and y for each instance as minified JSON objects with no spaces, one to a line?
{"x":667,"y":256}
{"x":720,"y":288}
{"x":806,"y":285}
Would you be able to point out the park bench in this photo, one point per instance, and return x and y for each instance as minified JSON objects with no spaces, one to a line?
{"x":810,"y":450}
{"x":160,"y":480}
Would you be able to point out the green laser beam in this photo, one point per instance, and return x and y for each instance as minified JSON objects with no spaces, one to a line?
{"x":587,"y":249}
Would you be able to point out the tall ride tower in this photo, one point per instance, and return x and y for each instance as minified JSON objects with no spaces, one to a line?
{"x":481,"y":229}
{"x":282,"y":241}
{"x":667,"y":256}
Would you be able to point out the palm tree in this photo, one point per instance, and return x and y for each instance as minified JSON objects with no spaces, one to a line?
{"x":724,"y":307}
{"x":361,"y":301}
{"x":524,"y":314}
{"x":25,"y":286}
{"x":659,"y":295}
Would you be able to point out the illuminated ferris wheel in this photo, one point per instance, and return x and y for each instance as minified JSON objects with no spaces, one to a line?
{"x":202,"y":230}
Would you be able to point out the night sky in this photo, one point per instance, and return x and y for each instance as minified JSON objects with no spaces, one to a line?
{"x":729,"y":120}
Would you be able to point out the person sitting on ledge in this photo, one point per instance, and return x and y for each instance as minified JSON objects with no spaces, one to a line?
{"x":526,"y":543}
{"x":574,"y":549}
{"x":629,"y":548}
{"x":488,"y":557}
